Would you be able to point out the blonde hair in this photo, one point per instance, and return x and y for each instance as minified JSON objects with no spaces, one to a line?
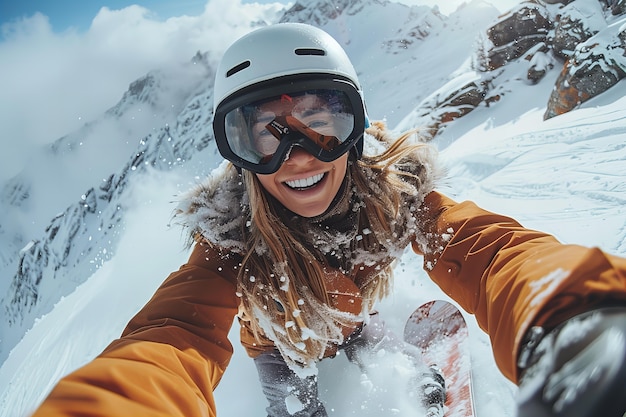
{"x":282,"y":281}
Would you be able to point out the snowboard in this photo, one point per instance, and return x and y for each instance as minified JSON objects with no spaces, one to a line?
{"x":439,"y":330}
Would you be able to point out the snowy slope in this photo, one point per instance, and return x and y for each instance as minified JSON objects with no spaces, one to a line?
{"x":566,"y":176}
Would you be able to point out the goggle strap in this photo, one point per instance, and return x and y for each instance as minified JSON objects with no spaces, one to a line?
{"x":278,"y":128}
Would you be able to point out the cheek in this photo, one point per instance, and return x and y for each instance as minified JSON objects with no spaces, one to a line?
{"x":341,"y":166}
{"x":266,"y":181}
{"x":269,"y":185}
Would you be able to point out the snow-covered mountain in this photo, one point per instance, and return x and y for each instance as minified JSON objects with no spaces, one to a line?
{"x":83,"y":238}
{"x":84,"y":197}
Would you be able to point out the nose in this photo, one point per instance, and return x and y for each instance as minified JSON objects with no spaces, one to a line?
{"x":298,"y":156}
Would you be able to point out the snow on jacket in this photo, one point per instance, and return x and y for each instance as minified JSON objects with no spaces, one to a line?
{"x":173,"y":353}
{"x":217,"y":211}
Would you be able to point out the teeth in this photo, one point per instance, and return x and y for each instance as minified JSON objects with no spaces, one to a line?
{"x":305,"y":182}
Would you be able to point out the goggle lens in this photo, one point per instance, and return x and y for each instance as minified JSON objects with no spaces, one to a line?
{"x":320,"y":120}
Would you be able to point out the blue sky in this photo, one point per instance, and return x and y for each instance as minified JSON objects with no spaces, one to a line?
{"x":79,"y":13}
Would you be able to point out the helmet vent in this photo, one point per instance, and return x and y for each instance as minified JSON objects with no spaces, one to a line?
{"x":234,"y":70}
{"x":310,"y":51}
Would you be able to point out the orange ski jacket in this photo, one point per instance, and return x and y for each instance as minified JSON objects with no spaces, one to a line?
{"x":173,"y":353}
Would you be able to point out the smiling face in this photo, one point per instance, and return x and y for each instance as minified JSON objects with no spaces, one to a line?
{"x":304,"y":184}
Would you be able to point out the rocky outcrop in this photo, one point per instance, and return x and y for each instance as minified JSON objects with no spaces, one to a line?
{"x":540,"y":62}
{"x":575,"y":24}
{"x":533,"y":23}
{"x":579,"y":37}
{"x":517,"y":32}
{"x":452,"y":101}
{"x":595,"y":66}
{"x":617,"y":6}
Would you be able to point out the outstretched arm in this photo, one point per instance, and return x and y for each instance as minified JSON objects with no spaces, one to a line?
{"x":171,"y":355}
{"x":511,"y":277}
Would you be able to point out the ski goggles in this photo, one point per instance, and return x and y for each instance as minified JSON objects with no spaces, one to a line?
{"x":255,"y":130}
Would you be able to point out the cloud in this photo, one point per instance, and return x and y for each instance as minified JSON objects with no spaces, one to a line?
{"x":52,"y":83}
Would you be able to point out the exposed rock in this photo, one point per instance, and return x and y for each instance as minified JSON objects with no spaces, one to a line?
{"x":540,"y":63}
{"x":463,"y":100}
{"x":575,"y":32}
{"x":564,"y":96}
{"x":595,"y":66}
{"x":567,"y":34}
{"x":617,"y":6}
{"x":517,"y":32}
{"x":529,"y":19}
{"x":452,"y":101}
{"x":578,"y":22}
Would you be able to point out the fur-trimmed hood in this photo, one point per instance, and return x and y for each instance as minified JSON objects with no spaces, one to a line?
{"x":216,"y":208}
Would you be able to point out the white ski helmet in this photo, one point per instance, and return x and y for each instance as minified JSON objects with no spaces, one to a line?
{"x":270,"y":61}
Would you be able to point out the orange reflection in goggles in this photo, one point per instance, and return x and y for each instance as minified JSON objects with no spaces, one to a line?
{"x":308,"y":114}
{"x":281,"y":126}
{"x":326,"y":142}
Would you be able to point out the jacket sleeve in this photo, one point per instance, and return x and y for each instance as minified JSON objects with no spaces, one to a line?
{"x":171,"y":355}
{"x":511,"y":277}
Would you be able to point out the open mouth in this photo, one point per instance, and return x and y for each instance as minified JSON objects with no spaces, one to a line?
{"x":305,"y":183}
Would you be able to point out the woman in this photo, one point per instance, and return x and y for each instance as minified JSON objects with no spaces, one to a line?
{"x":296,"y":236}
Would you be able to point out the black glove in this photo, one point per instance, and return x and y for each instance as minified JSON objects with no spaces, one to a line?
{"x":576,"y":370}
